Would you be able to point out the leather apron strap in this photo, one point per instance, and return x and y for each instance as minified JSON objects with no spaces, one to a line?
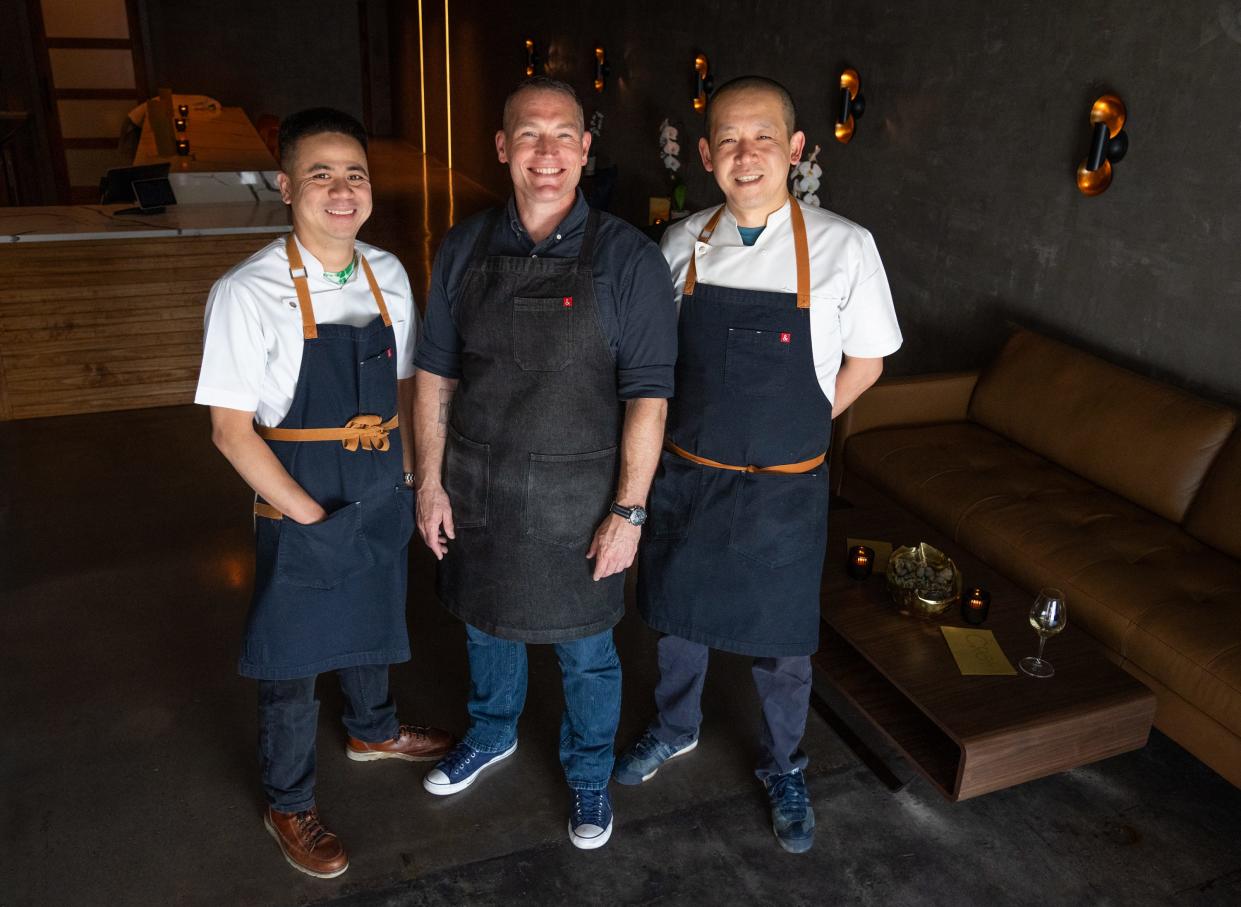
{"x":297,"y":271}
{"x":784,"y":469}
{"x":801,"y":250}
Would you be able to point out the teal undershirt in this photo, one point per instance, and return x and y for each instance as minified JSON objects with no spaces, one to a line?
{"x":749,"y":235}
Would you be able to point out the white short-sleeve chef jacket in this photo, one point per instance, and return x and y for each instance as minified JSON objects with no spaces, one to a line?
{"x":252,"y":348}
{"x":851,"y":308}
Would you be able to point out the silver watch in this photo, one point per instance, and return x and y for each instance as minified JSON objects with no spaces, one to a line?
{"x":635,"y":515}
{"x":409,"y":479}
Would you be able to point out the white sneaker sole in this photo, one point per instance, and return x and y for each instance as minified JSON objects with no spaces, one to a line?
{"x":655,"y":771}
{"x":371,"y":756}
{"x":298,"y":866}
{"x":443,"y":790}
{"x":590,"y":843}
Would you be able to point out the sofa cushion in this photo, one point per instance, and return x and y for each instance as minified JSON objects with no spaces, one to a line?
{"x":1144,"y":440}
{"x":1128,"y":574}
{"x":1215,"y":515}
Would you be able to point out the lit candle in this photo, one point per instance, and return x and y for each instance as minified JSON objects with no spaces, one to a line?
{"x":183,"y":109}
{"x":179,"y":122}
{"x":975,"y":604}
{"x":861,"y":561}
{"x":183,"y":146}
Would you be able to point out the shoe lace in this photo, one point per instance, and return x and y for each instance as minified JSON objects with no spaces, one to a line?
{"x":588,"y":807}
{"x":460,"y":754}
{"x":646,"y":745}
{"x":788,"y":792}
{"x":413,"y":730}
{"x":310,"y":829}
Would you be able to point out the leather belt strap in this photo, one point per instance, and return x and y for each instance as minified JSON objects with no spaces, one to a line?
{"x":297,"y":271}
{"x":365,"y":431}
{"x":266,"y":510}
{"x":785,"y":469}
{"x":801,"y":250}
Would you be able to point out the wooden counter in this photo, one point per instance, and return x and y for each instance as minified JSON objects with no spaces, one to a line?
{"x":218,"y":141}
{"x":99,"y":313}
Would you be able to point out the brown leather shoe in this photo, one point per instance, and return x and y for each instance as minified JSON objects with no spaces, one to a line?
{"x":306,"y":844}
{"x":414,"y":743}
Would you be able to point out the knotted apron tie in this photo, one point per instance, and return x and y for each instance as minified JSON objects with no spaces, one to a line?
{"x":364,"y":430}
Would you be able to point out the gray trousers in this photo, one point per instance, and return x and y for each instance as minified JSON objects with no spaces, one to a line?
{"x":783,"y":693}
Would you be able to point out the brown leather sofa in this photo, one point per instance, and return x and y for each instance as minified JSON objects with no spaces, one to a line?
{"x":1058,"y":468}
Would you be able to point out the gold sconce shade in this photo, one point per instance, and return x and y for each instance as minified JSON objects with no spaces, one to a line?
{"x":702,"y":82}
{"x":602,"y":70}
{"x":852,"y":105}
{"x":532,"y":58}
{"x":1108,"y":144}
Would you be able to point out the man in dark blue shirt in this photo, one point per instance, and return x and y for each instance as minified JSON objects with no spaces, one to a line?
{"x":541,"y":391}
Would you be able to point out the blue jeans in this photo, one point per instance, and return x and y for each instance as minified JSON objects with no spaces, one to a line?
{"x":289,"y":719}
{"x":591,"y":674}
{"x":783,"y":692}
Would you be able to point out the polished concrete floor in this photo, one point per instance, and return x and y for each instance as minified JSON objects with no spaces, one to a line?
{"x":128,"y":753}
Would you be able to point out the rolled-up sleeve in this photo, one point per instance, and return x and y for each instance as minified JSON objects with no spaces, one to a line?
{"x":439,"y":347}
{"x":647,"y":350}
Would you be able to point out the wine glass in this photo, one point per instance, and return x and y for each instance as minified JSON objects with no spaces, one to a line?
{"x":1048,"y":616}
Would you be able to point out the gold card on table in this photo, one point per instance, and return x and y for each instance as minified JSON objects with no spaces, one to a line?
{"x":976,"y":651}
{"x":883,"y":551}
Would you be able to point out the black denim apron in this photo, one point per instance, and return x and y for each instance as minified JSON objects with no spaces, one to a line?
{"x":531,"y":455}
{"x":732,"y":552}
{"x":332,"y":594}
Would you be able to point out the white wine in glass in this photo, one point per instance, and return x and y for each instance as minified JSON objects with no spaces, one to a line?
{"x":1048,"y":616}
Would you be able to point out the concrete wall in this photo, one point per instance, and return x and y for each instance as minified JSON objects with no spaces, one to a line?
{"x":963,"y":164}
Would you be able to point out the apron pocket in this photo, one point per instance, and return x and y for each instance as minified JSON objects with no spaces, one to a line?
{"x":779,"y":519}
{"x":756,"y":362}
{"x":542,"y":333}
{"x":467,"y":479}
{"x":672,"y":497}
{"x":567,"y":495}
{"x":388,"y":523}
{"x":323,"y":555}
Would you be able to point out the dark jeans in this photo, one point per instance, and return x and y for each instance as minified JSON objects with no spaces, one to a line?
{"x":783,"y":693}
{"x":289,"y":719}
{"x":591,"y":675}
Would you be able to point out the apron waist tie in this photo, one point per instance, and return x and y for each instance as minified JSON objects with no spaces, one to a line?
{"x":786,"y":469}
{"x":364,"y":430}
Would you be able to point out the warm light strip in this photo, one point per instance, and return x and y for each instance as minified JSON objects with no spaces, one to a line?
{"x":422,"y":81}
{"x":448,"y":94}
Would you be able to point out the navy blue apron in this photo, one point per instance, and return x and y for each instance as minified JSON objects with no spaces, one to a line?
{"x":332,"y":594}
{"x":732,"y":552}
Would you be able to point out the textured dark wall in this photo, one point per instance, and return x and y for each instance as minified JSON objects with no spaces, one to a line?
{"x":963,"y":164}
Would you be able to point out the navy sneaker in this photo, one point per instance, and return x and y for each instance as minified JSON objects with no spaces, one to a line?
{"x":590,"y":824}
{"x":642,"y":760}
{"x":460,"y":767}
{"x":792,"y":819}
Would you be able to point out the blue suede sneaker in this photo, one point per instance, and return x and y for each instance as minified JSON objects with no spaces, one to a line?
{"x":642,"y":760}
{"x":460,"y":767}
{"x":590,"y":824}
{"x":792,"y":819}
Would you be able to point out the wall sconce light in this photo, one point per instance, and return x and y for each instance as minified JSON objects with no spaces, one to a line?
{"x":602,"y":70}
{"x":1108,"y":144}
{"x":703,"y":83}
{"x":852,"y":105}
{"x":534,"y":62}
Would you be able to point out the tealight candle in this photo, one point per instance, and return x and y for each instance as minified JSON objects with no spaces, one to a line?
{"x":183,"y":109}
{"x":975,"y":604}
{"x":183,"y":146}
{"x":179,"y":122}
{"x":861,"y":561}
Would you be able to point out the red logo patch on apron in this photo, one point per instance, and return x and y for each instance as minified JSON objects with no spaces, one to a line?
{"x":389,"y":351}
{"x":568,"y":302}
{"x":786,"y":337}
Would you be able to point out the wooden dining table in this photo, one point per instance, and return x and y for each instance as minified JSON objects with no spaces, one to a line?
{"x":223,"y":140}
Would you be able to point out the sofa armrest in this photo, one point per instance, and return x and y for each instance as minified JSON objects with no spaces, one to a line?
{"x":915,"y":400}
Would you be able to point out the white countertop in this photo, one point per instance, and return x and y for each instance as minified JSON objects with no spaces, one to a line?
{"x":77,"y":223}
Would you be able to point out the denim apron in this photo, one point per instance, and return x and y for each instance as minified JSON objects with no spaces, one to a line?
{"x":732,"y":552}
{"x":332,"y":594}
{"x":530,"y":459}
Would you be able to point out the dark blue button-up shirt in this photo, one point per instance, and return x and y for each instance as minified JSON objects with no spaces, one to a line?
{"x":633,"y":289}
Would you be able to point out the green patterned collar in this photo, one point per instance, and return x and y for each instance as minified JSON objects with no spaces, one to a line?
{"x":340,"y":278}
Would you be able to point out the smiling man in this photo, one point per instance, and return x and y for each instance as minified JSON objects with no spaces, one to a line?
{"x":308,"y":370}
{"x":785,"y":317}
{"x":544,"y":318}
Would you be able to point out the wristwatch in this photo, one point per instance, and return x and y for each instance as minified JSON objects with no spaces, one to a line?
{"x":409,"y":480}
{"x":635,"y":515}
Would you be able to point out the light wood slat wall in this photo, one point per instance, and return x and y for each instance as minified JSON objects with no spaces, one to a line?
{"x":106,"y":325}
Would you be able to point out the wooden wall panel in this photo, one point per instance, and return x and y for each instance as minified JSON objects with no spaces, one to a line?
{"x":106,"y":325}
